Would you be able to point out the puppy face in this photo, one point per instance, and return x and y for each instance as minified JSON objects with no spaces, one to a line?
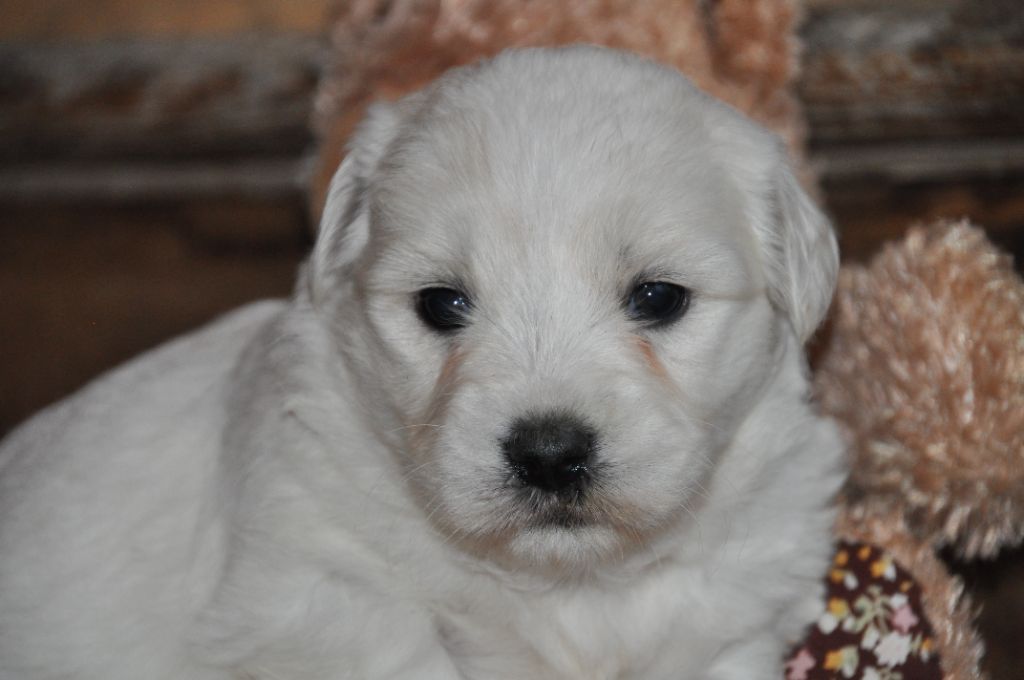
{"x":564,"y":276}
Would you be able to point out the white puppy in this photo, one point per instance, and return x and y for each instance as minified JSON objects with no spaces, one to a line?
{"x":537,"y":409}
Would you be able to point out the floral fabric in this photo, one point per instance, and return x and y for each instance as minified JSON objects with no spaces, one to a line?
{"x":873,"y":627}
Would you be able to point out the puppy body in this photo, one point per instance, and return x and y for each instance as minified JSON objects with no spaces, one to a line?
{"x":317,"y":489}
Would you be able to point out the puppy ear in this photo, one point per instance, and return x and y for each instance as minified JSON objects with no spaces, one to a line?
{"x":796,"y":242}
{"x":798,"y":248}
{"x":344,"y":227}
{"x":801,"y":254}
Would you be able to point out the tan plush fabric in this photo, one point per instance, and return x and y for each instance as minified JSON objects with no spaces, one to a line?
{"x":925,"y":369}
{"x":742,"y":51}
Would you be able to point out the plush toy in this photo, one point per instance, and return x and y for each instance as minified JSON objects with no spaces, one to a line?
{"x":922,"y":363}
{"x":923,"y":367}
{"x":742,"y":51}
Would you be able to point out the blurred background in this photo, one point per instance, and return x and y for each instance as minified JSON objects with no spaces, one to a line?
{"x":154,"y":162}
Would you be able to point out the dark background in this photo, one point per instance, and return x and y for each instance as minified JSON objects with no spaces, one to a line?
{"x":154,"y":154}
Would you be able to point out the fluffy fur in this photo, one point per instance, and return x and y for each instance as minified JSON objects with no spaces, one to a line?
{"x":314,"y":488}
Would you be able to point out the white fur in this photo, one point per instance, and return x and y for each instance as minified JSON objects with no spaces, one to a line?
{"x":314,"y":489}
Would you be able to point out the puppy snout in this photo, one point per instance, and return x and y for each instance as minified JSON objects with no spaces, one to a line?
{"x":553,"y":452}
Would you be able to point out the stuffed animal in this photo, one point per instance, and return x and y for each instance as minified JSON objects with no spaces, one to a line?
{"x":923,"y":366}
{"x":742,"y":51}
{"x":922,"y":363}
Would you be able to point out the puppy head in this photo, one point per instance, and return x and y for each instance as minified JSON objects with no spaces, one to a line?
{"x":564,"y":276}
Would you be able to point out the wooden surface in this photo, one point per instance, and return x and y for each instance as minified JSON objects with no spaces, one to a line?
{"x":874,"y":72}
{"x":196,"y":98}
{"x":85,"y":286}
{"x":91,"y":20}
{"x":879,"y":71}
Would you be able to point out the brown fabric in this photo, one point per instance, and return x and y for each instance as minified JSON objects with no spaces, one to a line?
{"x":742,"y":51}
{"x":946,"y":606}
{"x":924,"y":368}
{"x":874,"y":626}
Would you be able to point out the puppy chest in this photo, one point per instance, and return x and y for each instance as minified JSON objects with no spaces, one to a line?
{"x":592,"y":637}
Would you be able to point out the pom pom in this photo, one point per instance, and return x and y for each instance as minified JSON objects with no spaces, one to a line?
{"x":925,"y":371}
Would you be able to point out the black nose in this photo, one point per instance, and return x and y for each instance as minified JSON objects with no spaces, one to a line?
{"x":551,"y":452}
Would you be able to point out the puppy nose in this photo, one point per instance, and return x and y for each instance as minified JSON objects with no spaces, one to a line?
{"x":551,"y":452}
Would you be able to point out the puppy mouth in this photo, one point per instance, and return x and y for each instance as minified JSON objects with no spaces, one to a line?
{"x":566,"y":510}
{"x":573,"y":507}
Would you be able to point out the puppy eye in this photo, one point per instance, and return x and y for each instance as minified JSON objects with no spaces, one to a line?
{"x":657,"y":303}
{"x":443,"y":309}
